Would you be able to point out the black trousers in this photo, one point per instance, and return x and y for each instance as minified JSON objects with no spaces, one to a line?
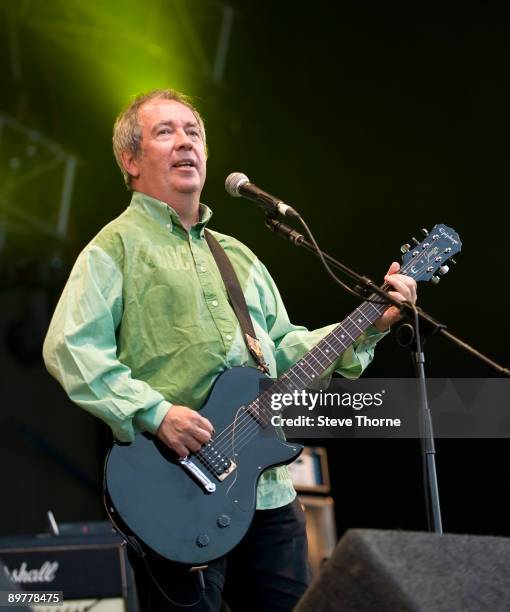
{"x":266,"y":572}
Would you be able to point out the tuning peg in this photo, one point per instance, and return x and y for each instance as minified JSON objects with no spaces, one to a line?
{"x":424,"y":231}
{"x":415,"y":241}
{"x":453,"y":261}
{"x":435,"y":280}
{"x":443,"y":270}
{"x":405,"y":248}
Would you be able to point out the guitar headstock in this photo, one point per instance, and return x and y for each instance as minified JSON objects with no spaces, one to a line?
{"x":422,"y":260}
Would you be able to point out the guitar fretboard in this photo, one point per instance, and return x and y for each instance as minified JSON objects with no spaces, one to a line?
{"x":318,"y":359}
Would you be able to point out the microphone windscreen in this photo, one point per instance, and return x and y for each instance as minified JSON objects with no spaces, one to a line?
{"x":234,"y":181}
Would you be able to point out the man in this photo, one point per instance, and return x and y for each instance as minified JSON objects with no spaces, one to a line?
{"x":144,"y":327}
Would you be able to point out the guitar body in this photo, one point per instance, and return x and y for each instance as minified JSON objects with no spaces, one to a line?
{"x":149,"y":495}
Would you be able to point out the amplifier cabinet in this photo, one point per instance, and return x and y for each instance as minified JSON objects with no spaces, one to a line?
{"x":92,"y":568}
{"x":320,"y":529}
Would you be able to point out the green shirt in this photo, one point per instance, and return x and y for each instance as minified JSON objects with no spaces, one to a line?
{"x":144,"y":322}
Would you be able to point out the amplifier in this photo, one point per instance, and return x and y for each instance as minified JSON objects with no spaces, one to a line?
{"x":88,"y":569}
{"x":320,"y":529}
{"x":309,"y":472}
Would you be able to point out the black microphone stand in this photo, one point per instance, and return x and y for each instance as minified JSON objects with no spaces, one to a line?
{"x":421,"y":323}
{"x":415,"y":342}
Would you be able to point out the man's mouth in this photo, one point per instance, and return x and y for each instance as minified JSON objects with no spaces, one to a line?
{"x":184,"y":163}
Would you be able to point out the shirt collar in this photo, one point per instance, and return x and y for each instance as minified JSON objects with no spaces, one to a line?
{"x":165,"y":215}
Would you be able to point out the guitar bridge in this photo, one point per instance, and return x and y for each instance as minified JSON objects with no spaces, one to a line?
{"x":196,"y":473}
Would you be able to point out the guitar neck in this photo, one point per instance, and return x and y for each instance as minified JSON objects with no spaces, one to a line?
{"x":318,"y":359}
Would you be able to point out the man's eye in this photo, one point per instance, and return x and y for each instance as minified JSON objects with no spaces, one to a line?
{"x":194,"y":133}
{"x":164,"y":131}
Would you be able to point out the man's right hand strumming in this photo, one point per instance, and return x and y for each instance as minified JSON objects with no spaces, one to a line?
{"x":184,"y":430}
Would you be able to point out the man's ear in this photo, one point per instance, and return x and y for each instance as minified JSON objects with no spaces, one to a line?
{"x":130,"y":163}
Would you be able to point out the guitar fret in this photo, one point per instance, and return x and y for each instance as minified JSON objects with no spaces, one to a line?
{"x":314,"y":357}
{"x":365,"y":316}
{"x":289,"y":384}
{"x":322,"y":365}
{"x":293,"y":373}
{"x":343,"y":335}
{"x":341,"y":346}
{"x":305,"y":363}
{"x":324,"y":341}
{"x":355,"y":325}
{"x":302,"y":381}
{"x":299,"y":365}
{"x":327,"y":357}
{"x":375,"y":308}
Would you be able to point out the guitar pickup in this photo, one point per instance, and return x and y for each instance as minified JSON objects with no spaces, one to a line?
{"x":216,"y":461}
{"x":226,"y":472}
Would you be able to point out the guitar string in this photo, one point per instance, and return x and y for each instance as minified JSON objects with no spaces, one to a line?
{"x":248,"y":437}
{"x":353,"y":328}
{"x":345,"y":327}
{"x":218,"y":440}
{"x":349,"y":317}
{"x":249,"y":426}
{"x":245,"y":430}
{"x":248,"y":420}
{"x":233,"y":453}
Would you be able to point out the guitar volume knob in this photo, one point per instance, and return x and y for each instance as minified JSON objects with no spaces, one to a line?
{"x":203,"y":540}
{"x":223,"y":520}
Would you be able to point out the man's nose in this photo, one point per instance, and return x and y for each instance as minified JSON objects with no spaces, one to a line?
{"x":183,"y":140}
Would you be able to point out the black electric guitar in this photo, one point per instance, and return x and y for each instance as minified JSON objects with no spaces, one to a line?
{"x":197,"y":509}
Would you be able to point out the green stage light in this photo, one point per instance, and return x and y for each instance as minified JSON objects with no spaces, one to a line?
{"x":122,"y":47}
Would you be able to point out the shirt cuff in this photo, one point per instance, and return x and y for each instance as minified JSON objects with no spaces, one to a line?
{"x":372,"y":336}
{"x":356,"y":359}
{"x":149,"y":420}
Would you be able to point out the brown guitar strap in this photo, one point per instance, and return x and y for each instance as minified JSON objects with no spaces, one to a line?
{"x":237,"y":301}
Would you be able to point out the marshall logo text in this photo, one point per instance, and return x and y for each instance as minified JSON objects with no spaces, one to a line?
{"x":22,"y":575}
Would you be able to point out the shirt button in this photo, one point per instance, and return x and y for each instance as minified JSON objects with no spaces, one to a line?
{"x":169,"y":225}
{"x":203,"y":268}
{"x":228,"y":337}
{"x":214,"y":303}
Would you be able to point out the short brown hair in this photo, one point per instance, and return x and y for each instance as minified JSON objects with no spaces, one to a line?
{"x":127,"y":134}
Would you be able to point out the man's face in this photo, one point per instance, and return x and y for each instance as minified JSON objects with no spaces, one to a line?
{"x":172,"y":160}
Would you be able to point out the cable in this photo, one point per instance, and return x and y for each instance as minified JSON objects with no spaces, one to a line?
{"x":330,"y":271}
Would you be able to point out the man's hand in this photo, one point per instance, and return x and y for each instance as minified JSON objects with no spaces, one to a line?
{"x":404,"y":290}
{"x":184,"y":430}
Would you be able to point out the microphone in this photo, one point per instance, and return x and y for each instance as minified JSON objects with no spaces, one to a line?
{"x":238,"y":185}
